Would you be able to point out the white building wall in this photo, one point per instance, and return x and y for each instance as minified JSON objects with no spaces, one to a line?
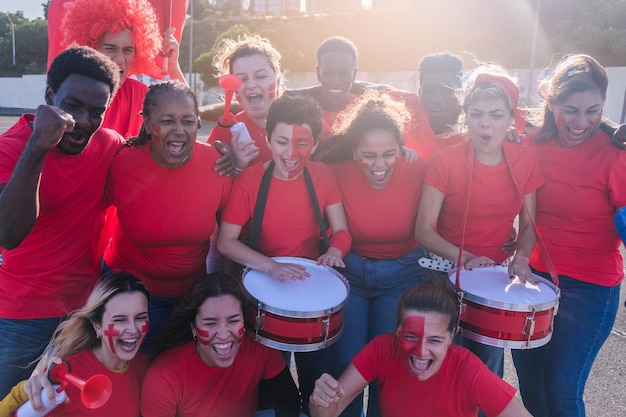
{"x":28,"y":91}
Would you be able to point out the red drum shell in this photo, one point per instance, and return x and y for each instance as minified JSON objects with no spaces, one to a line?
{"x":497,"y":312}
{"x":296,"y":316}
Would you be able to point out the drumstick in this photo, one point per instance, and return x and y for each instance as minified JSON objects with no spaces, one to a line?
{"x":167,"y":21}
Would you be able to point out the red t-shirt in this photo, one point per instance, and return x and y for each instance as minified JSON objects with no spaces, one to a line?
{"x":55,"y":267}
{"x":166,"y":217}
{"x":584,"y":187}
{"x":126,"y":394}
{"x":179,"y":384}
{"x":257,"y":133}
{"x":418,"y":135}
{"x":494,"y":200}
{"x":381,"y":221}
{"x":462,"y":385}
{"x":331,"y":119}
{"x":289,"y":226}
{"x":124,"y":113}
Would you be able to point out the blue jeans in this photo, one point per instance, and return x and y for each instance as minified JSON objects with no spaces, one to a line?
{"x":21,"y":344}
{"x":552,"y":378}
{"x":161,"y":310}
{"x":375,"y":288}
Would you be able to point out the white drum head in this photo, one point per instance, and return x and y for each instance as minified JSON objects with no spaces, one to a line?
{"x":494,"y":284}
{"x":325,"y":289}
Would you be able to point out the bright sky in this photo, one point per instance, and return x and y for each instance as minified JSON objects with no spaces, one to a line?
{"x":32,"y":8}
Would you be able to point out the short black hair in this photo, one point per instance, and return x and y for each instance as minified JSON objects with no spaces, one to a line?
{"x":337,"y":44}
{"x":295,"y":110}
{"x":86,"y":61}
{"x":442,"y":62}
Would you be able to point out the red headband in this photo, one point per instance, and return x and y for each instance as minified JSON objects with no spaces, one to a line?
{"x":508,"y":86}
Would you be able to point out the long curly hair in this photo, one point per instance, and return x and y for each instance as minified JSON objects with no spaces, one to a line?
{"x":86,"y":21}
{"x":374,"y":110}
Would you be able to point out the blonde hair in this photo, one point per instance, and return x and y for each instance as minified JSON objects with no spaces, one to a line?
{"x":77,"y":333}
{"x":229,"y":50}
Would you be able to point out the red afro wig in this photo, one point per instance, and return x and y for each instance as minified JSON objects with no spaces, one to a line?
{"x":86,"y":21}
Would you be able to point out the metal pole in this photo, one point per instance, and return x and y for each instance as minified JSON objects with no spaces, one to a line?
{"x":12,"y":35}
{"x":533,"y":51}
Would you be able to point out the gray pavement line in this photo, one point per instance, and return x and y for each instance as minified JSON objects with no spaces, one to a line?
{"x":617,"y":332}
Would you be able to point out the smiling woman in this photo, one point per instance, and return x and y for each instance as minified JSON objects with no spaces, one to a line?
{"x":205,"y":364}
{"x":102,"y":337}
{"x":417,"y":366}
{"x":167,"y":197}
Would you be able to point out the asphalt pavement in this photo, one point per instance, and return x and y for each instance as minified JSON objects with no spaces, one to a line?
{"x":605,"y":393}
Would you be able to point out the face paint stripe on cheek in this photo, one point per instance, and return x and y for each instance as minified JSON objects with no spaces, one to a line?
{"x":271,"y":90}
{"x":203,"y":336}
{"x":413,"y":325}
{"x":300,"y":134}
{"x":146,"y":326}
{"x":110,"y":333}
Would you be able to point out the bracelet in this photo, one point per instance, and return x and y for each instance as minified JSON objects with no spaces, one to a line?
{"x":237,"y":171}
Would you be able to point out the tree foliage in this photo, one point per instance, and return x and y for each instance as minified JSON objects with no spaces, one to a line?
{"x":31,"y":45}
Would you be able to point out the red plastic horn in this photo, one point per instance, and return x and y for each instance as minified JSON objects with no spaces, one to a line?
{"x":230,"y":83}
{"x":94,"y":392}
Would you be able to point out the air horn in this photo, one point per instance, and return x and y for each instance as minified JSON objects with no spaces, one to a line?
{"x":94,"y":392}
{"x":230,"y":83}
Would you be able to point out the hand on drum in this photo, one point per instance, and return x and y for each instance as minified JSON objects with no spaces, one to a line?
{"x":518,"y":268}
{"x":331,"y":258}
{"x":478,"y":262}
{"x":284,"y":271}
{"x":327,"y":391}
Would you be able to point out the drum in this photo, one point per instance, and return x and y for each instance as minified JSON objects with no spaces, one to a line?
{"x":296,"y":316}
{"x":499,"y":312}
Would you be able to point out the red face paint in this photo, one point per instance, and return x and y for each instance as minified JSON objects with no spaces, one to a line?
{"x":301,"y":148}
{"x":240,"y":333}
{"x":204,"y":337}
{"x":146,"y":326}
{"x":271,"y":90}
{"x":111,"y":332}
{"x":411,"y":335}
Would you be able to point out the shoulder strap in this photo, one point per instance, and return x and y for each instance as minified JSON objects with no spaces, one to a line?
{"x":316,"y":207}
{"x":259,"y":207}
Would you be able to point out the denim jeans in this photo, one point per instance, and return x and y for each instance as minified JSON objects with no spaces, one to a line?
{"x":160,"y":310}
{"x":552,"y":378}
{"x":375,"y":288}
{"x":21,"y":344}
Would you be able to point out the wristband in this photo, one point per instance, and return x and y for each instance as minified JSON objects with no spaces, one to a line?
{"x":341,"y":240}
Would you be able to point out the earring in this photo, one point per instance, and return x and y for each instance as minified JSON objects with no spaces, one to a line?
{"x":98,"y":335}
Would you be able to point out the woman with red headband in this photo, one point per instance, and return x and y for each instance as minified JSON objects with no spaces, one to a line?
{"x":483,"y":166}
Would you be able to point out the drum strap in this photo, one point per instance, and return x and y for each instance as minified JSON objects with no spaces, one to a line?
{"x":542,"y":246}
{"x":259,"y":208}
{"x":470,"y":173}
{"x":318,"y":212}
